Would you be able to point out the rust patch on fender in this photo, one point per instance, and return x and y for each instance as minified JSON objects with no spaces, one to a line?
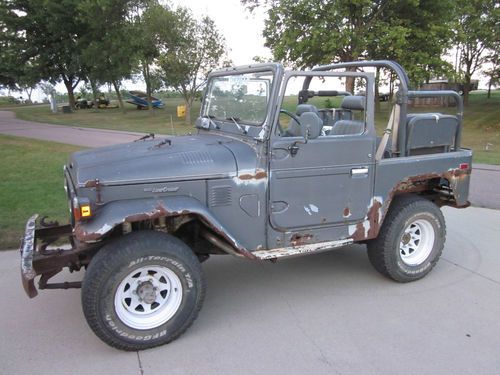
{"x":259,"y":175}
{"x":84,"y":236}
{"x":370,"y":227}
{"x":158,"y":212}
{"x":415,"y":184}
{"x":300,"y":239}
{"x":374,"y":219}
{"x":97,"y":186}
{"x":346,"y":212}
{"x":359,"y":233}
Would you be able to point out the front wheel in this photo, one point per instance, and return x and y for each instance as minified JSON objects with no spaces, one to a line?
{"x":410,"y":241}
{"x":142,"y":290}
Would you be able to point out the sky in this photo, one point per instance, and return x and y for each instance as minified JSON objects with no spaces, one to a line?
{"x":242,"y":29}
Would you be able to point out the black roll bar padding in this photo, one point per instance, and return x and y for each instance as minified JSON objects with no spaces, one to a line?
{"x":305,"y":95}
{"x":445,"y":93}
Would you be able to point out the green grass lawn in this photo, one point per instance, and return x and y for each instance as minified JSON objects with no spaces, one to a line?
{"x":481,"y":121}
{"x":33,"y":183}
{"x":158,"y":121}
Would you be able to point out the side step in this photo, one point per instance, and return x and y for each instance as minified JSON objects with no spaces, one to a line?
{"x":300,"y":250}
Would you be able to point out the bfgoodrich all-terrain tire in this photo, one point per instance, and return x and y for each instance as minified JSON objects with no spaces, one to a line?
{"x":410,"y":241}
{"x":142,"y":290}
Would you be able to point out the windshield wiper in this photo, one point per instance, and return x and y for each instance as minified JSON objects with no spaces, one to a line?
{"x":235,"y":120}
{"x":211,"y":121}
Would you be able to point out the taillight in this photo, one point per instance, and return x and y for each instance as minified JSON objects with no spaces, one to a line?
{"x":463,"y":166}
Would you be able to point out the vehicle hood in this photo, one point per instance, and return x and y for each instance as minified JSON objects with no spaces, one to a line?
{"x":186,"y":158}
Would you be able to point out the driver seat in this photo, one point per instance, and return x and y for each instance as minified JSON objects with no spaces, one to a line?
{"x":294,"y":128}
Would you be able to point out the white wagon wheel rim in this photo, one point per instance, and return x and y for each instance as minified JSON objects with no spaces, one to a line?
{"x":417,"y":242}
{"x":148,"y":297}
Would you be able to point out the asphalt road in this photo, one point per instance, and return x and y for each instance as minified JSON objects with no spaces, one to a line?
{"x":485,"y":186}
{"x":85,"y":137}
{"x":329,"y":313}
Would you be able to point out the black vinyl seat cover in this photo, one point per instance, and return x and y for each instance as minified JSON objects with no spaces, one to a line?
{"x":295,"y":129}
{"x":346,"y":127}
{"x":430,"y":132}
{"x":311,"y":123}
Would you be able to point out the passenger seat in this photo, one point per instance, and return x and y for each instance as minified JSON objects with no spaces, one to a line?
{"x":346,"y":127}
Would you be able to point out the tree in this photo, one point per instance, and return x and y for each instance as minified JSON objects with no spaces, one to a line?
{"x":11,"y":61}
{"x":476,"y":29}
{"x":108,"y":55}
{"x":311,"y":32}
{"x":47,"y":35}
{"x":186,"y":65}
{"x":155,"y":31}
{"x":493,"y":73}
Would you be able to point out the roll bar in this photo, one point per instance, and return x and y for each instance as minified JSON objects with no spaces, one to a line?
{"x":402,"y":96}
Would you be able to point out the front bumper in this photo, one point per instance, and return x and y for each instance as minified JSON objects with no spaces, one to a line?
{"x":37,"y":260}
{"x":28,"y":273}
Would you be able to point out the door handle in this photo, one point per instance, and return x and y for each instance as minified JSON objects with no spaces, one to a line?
{"x":293,"y":149}
{"x":359,"y":172}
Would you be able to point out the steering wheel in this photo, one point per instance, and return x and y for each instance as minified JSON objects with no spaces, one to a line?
{"x":292,"y":115}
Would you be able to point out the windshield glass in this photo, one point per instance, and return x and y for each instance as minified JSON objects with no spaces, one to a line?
{"x":239,"y":97}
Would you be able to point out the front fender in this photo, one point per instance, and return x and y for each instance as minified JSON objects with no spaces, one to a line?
{"x":131,"y":211}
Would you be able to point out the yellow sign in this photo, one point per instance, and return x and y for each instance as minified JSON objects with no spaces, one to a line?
{"x":181,"y":111}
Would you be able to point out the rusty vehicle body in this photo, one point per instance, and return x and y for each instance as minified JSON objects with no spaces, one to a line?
{"x":248,"y":189}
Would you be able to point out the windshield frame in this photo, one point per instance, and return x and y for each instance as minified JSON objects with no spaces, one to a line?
{"x":274,"y":71}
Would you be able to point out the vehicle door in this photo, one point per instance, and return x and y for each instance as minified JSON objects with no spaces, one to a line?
{"x":323,"y":181}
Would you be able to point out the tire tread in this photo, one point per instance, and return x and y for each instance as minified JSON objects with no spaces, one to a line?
{"x":127,"y":247}
{"x":380,"y":257}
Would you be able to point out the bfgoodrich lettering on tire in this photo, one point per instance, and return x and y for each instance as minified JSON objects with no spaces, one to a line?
{"x":410,"y":241}
{"x":142,"y":290}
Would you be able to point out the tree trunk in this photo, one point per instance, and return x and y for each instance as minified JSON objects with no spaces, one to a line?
{"x":489,"y":88}
{"x":147,"y":79}
{"x":29,"y":92}
{"x":187,"y":118}
{"x":466,"y":89}
{"x":93,"y":85}
{"x":119,"y":95}
{"x":349,"y":82}
{"x":377,"y":93}
{"x":71,"y":93}
{"x":391,"y":86}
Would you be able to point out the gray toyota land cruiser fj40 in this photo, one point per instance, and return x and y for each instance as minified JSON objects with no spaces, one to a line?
{"x":283,"y":163}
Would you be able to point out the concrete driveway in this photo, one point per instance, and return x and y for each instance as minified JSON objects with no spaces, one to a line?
{"x":329,"y":313}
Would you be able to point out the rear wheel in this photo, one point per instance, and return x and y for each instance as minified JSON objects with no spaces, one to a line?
{"x":410,"y":241}
{"x":142,"y":290}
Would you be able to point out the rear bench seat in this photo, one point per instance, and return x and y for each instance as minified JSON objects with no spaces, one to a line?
{"x":430,"y":133}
